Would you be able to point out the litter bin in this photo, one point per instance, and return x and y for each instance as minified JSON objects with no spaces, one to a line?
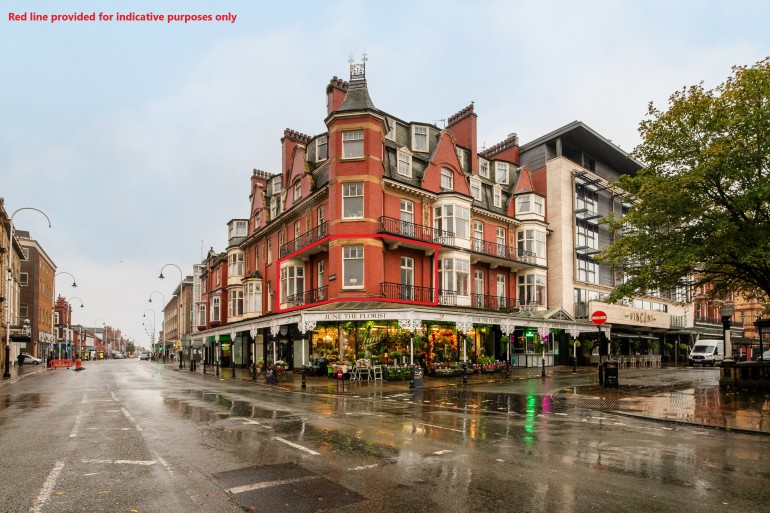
{"x":611,"y":374}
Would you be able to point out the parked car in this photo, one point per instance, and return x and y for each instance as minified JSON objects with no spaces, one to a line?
{"x":118,"y":356}
{"x":28,"y":358}
{"x":144,"y":355}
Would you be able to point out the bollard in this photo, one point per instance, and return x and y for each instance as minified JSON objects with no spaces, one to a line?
{"x":253,"y":371}
{"x":233,"y":367}
{"x":204,"y":366}
{"x":304,"y":386}
{"x":465,"y":373}
{"x":542,"y":374}
{"x":340,"y":380}
{"x":574,"y":364}
{"x":411,"y":379}
{"x":216,"y":364}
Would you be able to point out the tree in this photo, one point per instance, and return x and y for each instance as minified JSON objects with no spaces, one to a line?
{"x":700,"y":207}
{"x":130,"y":348}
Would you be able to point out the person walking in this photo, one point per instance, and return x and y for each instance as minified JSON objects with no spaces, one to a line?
{"x":20,"y":360}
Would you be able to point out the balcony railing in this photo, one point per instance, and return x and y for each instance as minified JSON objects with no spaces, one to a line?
{"x":304,"y":240}
{"x":414,"y":231}
{"x":486,"y":302}
{"x":407,"y":292}
{"x":502,"y":251}
{"x":447,"y":297}
{"x":307,"y":297}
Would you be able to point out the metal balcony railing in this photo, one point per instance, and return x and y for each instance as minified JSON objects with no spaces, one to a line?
{"x":304,"y":240}
{"x":307,"y":297}
{"x":406,"y":292}
{"x":486,"y":302}
{"x":501,"y":251}
{"x":447,"y":297}
{"x":414,"y":231}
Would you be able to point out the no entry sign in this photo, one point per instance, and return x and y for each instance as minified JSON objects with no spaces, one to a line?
{"x":598,"y":317}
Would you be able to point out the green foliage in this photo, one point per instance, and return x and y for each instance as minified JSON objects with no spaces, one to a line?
{"x":701,"y":205}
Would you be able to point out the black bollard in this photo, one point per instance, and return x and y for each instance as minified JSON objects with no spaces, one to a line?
{"x":233,"y":367}
{"x":216,"y":364}
{"x":253,"y":371}
{"x":304,"y":386}
{"x":204,"y":366}
{"x":574,"y":364}
{"x":465,"y":373}
{"x":542,"y":374}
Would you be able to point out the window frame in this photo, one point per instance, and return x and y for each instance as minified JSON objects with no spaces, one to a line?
{"x":484,"y":168}
{"x":353,"y":148}
{"x":475,"y":183}
{"x":497,"y":196}
{"x":347,"y":197}
{"x":415,"y":146}
{"x":297,"y":190}
{"x":498,"y":167}
{"x":391,"y":133}
{"x":447,"y":175}
{"x":407,"y":163}
{"x":352,"y":254}
{"x":216,"y":306}
{"x":322,"y":142}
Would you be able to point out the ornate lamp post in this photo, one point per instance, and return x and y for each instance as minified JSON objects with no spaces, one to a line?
{"x":180,"y":320}
{"x":726,"y":312}
{"x":9,"y":288}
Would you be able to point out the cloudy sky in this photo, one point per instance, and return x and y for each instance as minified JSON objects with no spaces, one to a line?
{"x":138,"y":139}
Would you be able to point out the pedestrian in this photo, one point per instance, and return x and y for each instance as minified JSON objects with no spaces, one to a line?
{"x":20,"y":359}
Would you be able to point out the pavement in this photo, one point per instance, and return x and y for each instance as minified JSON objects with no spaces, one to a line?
{"x":681,"y":395}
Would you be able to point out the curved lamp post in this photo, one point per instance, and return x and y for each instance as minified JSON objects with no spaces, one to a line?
{"x":180,"y":319}
{"x":9,"y":285}
{"x":152,"y":336}
{"x":69,"y":322}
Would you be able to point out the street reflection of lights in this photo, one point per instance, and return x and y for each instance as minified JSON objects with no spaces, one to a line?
{"x":531,"y":413}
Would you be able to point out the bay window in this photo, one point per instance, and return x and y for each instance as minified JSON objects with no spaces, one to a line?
{"x":453,"y":219}
{"x":353,"y":267}
{"x":353,"y":200}
{"x":292,"y":280}
{"x":353,"y":144}
{"x":533,"y":241}
{"x":532,"y":289}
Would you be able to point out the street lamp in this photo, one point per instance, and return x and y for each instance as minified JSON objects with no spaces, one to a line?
{"x":9,"y":289}
{"x":162,"y":297}
{"x":726,"y":311}
{"x":69,"y":320}
{"x":180,"y":319}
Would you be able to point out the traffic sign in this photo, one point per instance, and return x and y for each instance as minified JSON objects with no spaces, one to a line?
{"x":598,"y":317}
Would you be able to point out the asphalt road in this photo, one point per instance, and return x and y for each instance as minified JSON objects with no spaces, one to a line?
{"x":127,"y":436}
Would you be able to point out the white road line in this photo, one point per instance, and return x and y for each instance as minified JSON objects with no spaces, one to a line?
{"x":297,"y":446}
{"x":164,"y":463}
{"x":75,"y":428}
{"x":124,"y":462}
{"x":444,"y":451}
{"x":113,"y":396}
{"x":107,"y":429}
{"x":129,"y":417}
{"x":442,"y":427}
{"x":45,"y":491}
{"x":254,"y":422}
{"x":364,"y":467}
{"x":270,"y":484}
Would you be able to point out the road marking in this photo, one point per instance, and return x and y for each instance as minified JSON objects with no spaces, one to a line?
{"x":270,"y":484}
{"x":254,"y":422}
{"x":78,"y":420}
{"x":107,"y":429}
{"x":444,"y":451}
{"x":364,"y":467}
{"x":297,"y":446}
{"x":129,"y":417}
{"x":164,"y":463}
{"x":124,"y":462}
{"x":562,"y":414}
{"x":442,"y":427}
{"x":45,"y":491}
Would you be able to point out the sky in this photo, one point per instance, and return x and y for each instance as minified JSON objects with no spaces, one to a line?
{"x":138,"y":138}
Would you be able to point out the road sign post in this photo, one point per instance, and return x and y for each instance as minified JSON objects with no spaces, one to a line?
{"x":599,"y":318}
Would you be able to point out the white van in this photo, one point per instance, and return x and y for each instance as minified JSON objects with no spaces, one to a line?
{"x":706,"y":352}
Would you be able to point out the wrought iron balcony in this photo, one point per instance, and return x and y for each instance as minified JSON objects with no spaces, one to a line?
{"x":486,"y":302}
{"x":304,"y":240}
{"x":307,"y":297}
{"x":414,"y":231}
{"x":406,"y":292}
{"x":493,"y":249}
{"x":447,"y":297}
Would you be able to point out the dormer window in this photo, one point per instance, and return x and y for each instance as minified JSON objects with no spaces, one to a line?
{"x":497,"y":196}
{"x":353,"y":144}
{"x":501,"y":172}
{"x":447,"y":180}
{"x":322,"y":148}
{"x":404,"y":164}
{"x":483,"y":168}
{"x":391,"y":129}
{"x":460,"y":157}
{"x":420,"y":138}
{"x":276,"y":185}
{"x":297,"y":190}
{"x":476,"y":189}
{"x":530,"y":204}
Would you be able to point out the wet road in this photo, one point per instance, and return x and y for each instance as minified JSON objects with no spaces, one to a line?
{"x":127,"y":435}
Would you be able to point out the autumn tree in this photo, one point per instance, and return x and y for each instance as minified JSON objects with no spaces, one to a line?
{"x":700,"y":207}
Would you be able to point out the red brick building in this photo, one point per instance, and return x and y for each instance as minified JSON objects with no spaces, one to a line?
{"x":381,"y":239}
